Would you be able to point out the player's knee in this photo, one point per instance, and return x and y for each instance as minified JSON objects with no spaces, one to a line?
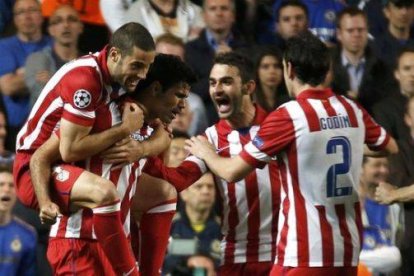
{"x":105,"y":192}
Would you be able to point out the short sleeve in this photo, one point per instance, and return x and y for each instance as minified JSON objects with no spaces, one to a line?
{"x":81,"y":91}
{"x":8,"y":62}
{"x":275,"y":133}
{"x":376,"y":137}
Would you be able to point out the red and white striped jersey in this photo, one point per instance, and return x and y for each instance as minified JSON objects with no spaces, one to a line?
{"x":318,"y":141}
{"x":79,"y":224}
{"x":250,"y":206}
{"x":74,"y":93}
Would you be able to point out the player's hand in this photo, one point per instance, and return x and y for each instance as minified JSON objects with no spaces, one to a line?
{"x":49,"y":212}
{"x":199,"y":146}
{"x":123,"y":152}
{"x":384,"y":193}
{"x":132,"y":117}
{"x":352,"y":94}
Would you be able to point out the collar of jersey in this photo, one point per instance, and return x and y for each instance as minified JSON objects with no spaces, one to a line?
{"x":318,"y":94}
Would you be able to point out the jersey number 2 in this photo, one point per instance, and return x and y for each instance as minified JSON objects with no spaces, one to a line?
{"x":340,"y":168}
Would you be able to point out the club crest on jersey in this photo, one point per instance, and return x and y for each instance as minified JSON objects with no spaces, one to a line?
{"x":258,"y":142}
{"x":60,"y":174}
{"x":82,"y":98}
{"x":16,"y":245}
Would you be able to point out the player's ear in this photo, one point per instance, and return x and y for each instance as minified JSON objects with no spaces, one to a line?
{"x":249,"y":87}
{"x":156,"y":88}
{"x":114,"y":54}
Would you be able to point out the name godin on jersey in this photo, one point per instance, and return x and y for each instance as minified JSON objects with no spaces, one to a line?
{"x":334,"y":122}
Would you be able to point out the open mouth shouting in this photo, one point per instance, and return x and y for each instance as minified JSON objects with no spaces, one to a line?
{"x":223,"y":104}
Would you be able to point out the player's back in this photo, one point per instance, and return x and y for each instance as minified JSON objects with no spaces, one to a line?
{"x":320,"y":167}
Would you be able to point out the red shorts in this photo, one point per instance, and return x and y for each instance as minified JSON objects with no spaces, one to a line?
{"x":251,"y":268}
{"x":63,"y":178}
{"x":313,"y":271}
{"x":77,"y":257}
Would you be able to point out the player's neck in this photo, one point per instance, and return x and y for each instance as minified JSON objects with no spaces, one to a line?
{"x":245,"y":117}
{"x":299,"y":87}
{"x":5,"y":218}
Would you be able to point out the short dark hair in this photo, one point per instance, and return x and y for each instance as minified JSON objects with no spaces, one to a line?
{"x":351,"y":11}
{"x":292,"y":3}
{"x":399,"y":3}
{"x":132,"y":35}
{"x":309,"y":57}
{"x":238,"y":60}
{"x":168,"y":70}
{"x":404,"y":50}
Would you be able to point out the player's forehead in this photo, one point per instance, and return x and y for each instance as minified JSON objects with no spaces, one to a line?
{"x":220,"y":71}
{"x":140,"y":56}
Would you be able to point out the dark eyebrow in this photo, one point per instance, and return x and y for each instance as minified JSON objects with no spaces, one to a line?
{"x":226,"y":78}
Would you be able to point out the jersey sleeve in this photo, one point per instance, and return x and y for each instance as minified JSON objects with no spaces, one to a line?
{"x":181,"y":177}
{"x":376,"y":137}
{"x":81,"y":93}
{"x":275,"y":133}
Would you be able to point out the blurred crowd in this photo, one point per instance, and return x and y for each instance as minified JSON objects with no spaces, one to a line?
{"x":372,"y":51}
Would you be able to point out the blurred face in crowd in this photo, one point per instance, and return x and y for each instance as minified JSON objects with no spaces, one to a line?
{"x":374,"y":170}
{"x":65,"y":26}
{"x":27,"y":17}
{"x":176,"y":152}
{"x":405,"y":73}
{"x":353,"y":33}
{"x":200,"y":196}
{"x":218,"y":15}
{"x":170,"y":49}
{"x":399,"y":17}
{"x":292,"y":21}
{"x":128,"y":69}
{"x":270,"y":71}
{"x":7,"y":192}
{"x":182,"y":120}
{"x":227,"y":90}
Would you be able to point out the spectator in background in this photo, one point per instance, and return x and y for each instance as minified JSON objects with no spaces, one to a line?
{"x":173,"y":45}
{"x":383,"y":225}
{"x":217,"y":37}
{"x":5,"y":155}
{"x":17,"y":239}
{"x":270,"y":86}
{"x":389,"y":112}
{"x":400,"y":15}
{"x":291,"y":19}
{"x":181,"y":18}
{"x":195,"y":223}
{"x":358,"y":72}
{"x":14,"y":52}
{"x":402,"y":175}
{"x":114,"y":12}
{"x":65,"y":28}
{"x":96,"y":34}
